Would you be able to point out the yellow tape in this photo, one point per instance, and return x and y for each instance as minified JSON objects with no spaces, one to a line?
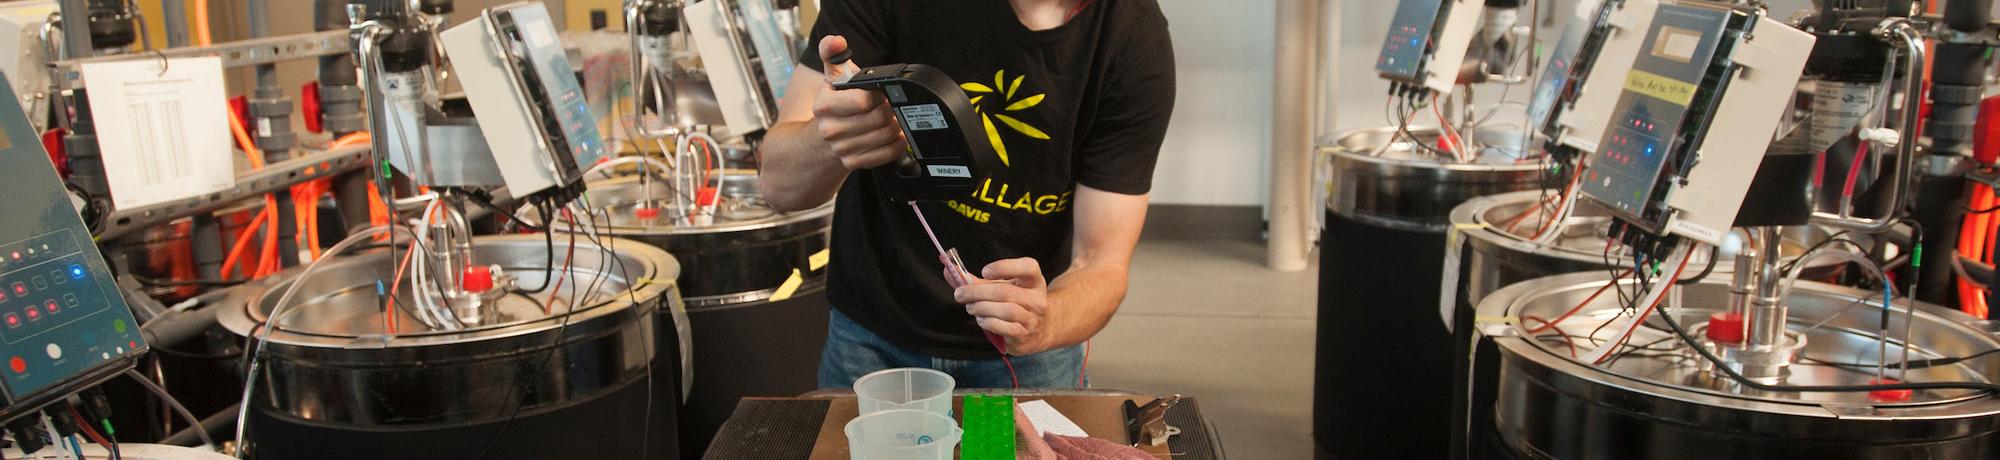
{"x":1475,"y":226}
{"x":1660,"y":87}
{"x":791,"y":286}
{"x":818,"y":259}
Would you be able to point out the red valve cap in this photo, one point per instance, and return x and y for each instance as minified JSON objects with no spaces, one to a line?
{"x":1725,"y":327}
{"x":478,"y":278}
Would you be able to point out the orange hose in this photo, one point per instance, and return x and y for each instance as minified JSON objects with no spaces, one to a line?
{"x":242,"y":242}
{"x":1975,"y":241}
{"x":201,"y":35}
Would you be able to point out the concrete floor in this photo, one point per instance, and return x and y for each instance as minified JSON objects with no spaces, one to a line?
{"x":1206,"y":318}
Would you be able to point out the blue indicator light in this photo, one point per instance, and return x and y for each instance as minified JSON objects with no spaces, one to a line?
{"x":76,"y":271}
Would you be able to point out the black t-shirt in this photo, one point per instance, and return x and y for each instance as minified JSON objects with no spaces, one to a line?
{"x":1084,"y":103}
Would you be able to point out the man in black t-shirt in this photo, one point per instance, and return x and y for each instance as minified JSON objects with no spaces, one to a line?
{"x":1074,"y":97}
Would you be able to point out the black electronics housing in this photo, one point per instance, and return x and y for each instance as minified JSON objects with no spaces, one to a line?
{"x":944,"y":132}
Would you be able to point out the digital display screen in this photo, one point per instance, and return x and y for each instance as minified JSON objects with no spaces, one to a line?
{"x":565,"y":97}
{"x":60,"y":314}
{"x":1409,"y":38}
{"x":1555,"y":77}
{"x":1653,"y":111}
{"x":1676,"y":43}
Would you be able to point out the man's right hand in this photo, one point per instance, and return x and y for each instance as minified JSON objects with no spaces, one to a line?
{"x":856,"y":124}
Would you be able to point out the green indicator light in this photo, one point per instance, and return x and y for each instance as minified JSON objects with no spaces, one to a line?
{"x":118,"y":324}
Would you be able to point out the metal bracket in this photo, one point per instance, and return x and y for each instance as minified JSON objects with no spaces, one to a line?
{"x":272,"y":178}
{"x":269,"y":50}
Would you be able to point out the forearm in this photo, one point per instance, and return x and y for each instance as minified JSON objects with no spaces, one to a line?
{"x":1082,"y":301}
{"x":797,"y":172}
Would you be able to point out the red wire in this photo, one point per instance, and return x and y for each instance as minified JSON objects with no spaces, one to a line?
{"x":1650,"y":308}
{"x":1078,"y":9}
{"x":1579,"y":307}
{"x":1565,"y":337}
{"x":1083,"y":369}
{"x":549,"y":307}
{"x":1011,"y":375}
{"x":1854,"y":171}
{"x":91,"y":432}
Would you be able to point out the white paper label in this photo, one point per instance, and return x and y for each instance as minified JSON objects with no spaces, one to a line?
{"x":167,"y":146}
{"x":1048,"y":420}
{"x":950,"y":171}
{"x":924,"y":117}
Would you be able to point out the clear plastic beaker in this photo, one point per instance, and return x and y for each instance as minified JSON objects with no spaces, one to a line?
{"x":905,"y":388}
{"x":902,"y":434}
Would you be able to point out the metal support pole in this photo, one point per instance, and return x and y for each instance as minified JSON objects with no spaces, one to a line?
{"x":175,"y":20}
{"x":1767,"y":314}
{"x":1292,"y":135}
{"x":76,"y":28}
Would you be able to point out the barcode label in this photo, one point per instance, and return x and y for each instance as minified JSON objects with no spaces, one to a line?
{"x":924,"y":117}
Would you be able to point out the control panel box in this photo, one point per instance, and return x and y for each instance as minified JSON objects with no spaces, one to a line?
{"x":1602,"y":63}
{"x":739,"y":65}
{"x":530,"y":107}
{"x":1698,"y":109}
{"x":25,"y":61}
{"x":1427,"y":42}
{"x":63,"y":324}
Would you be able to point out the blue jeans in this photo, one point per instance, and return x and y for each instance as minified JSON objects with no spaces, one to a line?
{"x":853,"y":351}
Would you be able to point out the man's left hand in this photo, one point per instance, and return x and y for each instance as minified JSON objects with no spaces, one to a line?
{"x":1009,"y":298}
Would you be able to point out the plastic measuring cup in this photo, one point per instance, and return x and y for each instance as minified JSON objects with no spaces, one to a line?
{"x":902,"y":434}
{"x":905,"y":388}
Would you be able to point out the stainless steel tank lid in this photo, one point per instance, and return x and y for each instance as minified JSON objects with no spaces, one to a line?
{"x":741,"y":208}
{"x":1396,"y":184}
{"x":1840,"y":323}
{"x":1505,"y":220}
{"x":338,"y":307}
{"x":1383,"y":145}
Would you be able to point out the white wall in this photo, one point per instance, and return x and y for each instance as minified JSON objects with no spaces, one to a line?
{"x":1217,"y":151}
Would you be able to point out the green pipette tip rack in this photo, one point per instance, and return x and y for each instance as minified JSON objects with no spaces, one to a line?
{"x":989,"y":428}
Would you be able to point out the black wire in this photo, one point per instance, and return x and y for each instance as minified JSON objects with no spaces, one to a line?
{"x":1919,"y":364}
{"x":487,"y":202}
{"x":1404,"y":128}
{"x":193,"y":355}
{"x":174,"y":283}
{"x":513,"y":391}
{"x":549,"y":240}
{"x":1714,"y":252}
{"x":1747,"y":382}
{"x":1968,"y":209}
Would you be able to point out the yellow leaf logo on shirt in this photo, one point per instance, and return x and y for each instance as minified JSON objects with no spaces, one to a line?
{"x":1003,"y":92}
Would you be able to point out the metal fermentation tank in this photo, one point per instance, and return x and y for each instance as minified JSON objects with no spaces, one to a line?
{"x":1380,"y":256}
{"x":746,"y":341}
{"x":1663,"y":404}
{"x":585,"y":382}
{"x":1494,"y":248}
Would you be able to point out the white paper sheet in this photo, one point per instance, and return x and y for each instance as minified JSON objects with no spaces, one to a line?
{"x":1048,"y":420}
{"x":164,"y":132}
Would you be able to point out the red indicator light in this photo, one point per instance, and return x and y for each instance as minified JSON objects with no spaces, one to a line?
{"x":52,"y":307}
{"x":18,"y":365}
